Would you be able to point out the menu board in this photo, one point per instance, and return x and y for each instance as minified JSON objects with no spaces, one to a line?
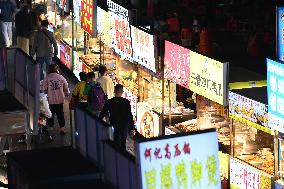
{"x":179,"y":162}
{"x":275,"y":91}
{"x":245,"y":176}
{"x":88,"y":16}
{"x":248,"y":109}
{"x":76,"y":10}
{"x":208,"y":78}
{"x":177,"y":68}
{"x":77,"y":65}
{"x":65,"y":54}
{"x":280,"y":33}
{"x":143,"y":48}
{"x":132,"y":99}
{"x":103,"y":26}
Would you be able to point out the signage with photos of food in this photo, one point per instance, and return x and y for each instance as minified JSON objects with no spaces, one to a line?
{"x":103,"y":26}
{"x":280,"y":33}
{"x":147,"y":121}
{"x":275,"y":91}
{"x":76,"y":10}
{"x":248,"y":109}
{"x":143,"y":48}
{"x":245,"y":176}
{"x":177,"y":68}
{"x":65,"y":54}
{"x":88,"y":16}
{"x":178,"y":162}
{"x":208,"y":78}
{"x":132,"y":99}
{"x":77,"y":68}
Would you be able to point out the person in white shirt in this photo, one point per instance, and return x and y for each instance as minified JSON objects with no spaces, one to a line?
{"x":106,"y":82}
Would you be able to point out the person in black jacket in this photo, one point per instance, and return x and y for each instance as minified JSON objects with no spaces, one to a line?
{"x":23,"y":23}
{"x":120,"y":116}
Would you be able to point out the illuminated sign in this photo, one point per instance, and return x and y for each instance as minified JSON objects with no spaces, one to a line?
{"x":117,"y":9}
{"x":85,"y":68}
{"x":65,"y":54}
{"x":280,"y":33}
{"x":77,"y":65}
{"x":275,"y":91}
{"x":132,"y":99}
{"x":103,"y":26}
{"x":245,"y":176}
{"x":143,"y":48}
{"x":88,"y":16}
{"x":147,"y":121}
{"x":76,"y":10}
{"x":177,"y":67}
{"x":179,"y":162}
{"x":208,"y":78}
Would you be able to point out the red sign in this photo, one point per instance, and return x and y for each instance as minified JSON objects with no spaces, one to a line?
{"x":86,"y":68}
{"x":177,"y":64}
{"x":65,"y":54}
{"x":88,"y":12}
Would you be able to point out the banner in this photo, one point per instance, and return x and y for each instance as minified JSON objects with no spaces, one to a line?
{"x":88,"y":16}
{"x":280,"y":33}
{"x":208,"y":78}
{"x":132,"y":99}
{"x":245,"y":176}
{"x":180,"y":162}
{"x":177,"y":68}
{"x":143,"y":48}
{"x":103,"y":26}
{"x":76,"y":10}
{"x":65,"y":54}
{"x":77,"y":65}
{"x":275,"y":91}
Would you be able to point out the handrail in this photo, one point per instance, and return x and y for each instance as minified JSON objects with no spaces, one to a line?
{"x":24,"y":53}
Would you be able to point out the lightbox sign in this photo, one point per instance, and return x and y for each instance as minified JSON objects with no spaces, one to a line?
{"x":208,"y":78}
{"x":88,"y":16}
{"x":275,"y":91}
{"x":103,"y":26}
{"x":143,"y":48}
{"x":177,"y":67}
{"x":280,"y":33}
{"x":245,"y":176}
{"x":77,"y":65}
{"x":179,"y":162}
{"x":132,"y":99}
{"x":76,"y":10}
{"x":120,"y":31}
{"x":65,"y":54}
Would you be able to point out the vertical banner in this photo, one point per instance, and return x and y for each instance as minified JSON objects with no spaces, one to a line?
{"x":65,"y":54}
{"x":275,"y":91}
{"x":77,"y":9}
{"x":180,"y":162}
{"x":88,"y":16}
{"x":103,"y":26}
{"x":280,"y":33}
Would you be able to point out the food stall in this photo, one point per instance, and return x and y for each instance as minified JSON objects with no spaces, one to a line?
{"x":252,"y":138}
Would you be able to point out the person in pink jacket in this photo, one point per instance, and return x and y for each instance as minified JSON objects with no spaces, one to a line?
{"x":57,"y":89}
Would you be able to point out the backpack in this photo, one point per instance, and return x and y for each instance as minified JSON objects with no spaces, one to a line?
{"x":96,"y":97}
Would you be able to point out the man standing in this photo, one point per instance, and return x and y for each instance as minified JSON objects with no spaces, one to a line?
{"x":42,"y":47}
{"x":105,"y":82}
{"x":23,"y":23}
{"x":121,"y":117}
{"x":7,"y":10}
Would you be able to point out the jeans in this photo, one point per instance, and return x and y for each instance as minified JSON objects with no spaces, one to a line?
{"x":58,"y":110}
{"x":23,"y":43}
{"x":6,"y":31}
{"x":44,"y":64}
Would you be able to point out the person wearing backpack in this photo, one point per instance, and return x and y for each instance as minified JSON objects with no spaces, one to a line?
{"x":121,"y":118}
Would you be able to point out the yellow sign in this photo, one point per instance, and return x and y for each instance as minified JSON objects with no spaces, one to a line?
{"x":246,"y":85}
{"x":208,"y":78}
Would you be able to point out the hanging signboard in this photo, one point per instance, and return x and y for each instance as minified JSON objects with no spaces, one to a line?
{"x":208,"y":78}
{"x":275,"y":91}
{"x":280,"y":33}
{"x":177,"y":67}
{"x":132,"y":99}
{"x":143,"y":48}
{"x":103,"y":26}
{"x":65,"y":54}
{"x":178,"y":162}
{"x":248,"y":111}
{"x":77,"y":65}
{"x":88,"y":16}
{"x":245,"y":176}
{"x":76,"y":10}
{"x":117,"y":9}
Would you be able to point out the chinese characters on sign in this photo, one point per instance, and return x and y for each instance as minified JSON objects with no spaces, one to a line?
{"x":117,"y":9}
{"x":177,"y":67}
{"x":208,"y":77}
{"x":275,"y":90}
{"x":103,"y":26}
{"x":245,"y":176}
{"x":88,"y":14}
{"x":280,"y":33}
{"x":143,"y":48}
{"x":77,"y":65}
{"x":180,"y":162}
{"x":85,"y":68}
{"x":132,"y":99}
{"x":65,"y":54}
{"x":77,"y":10}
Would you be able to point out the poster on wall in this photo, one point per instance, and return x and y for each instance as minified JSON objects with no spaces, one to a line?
{"x":275,"y":91}
{"x":208,"y":78}
{"x":65,"y":54}
{"x":147,"y":121}
{"x":177,"y":68}
{"x":77,"y":68}
{"x":143,"y":48}
{"x":280,"y":33}
{"x":178,"y":162}
{"x":103,"y":26}
{"x":245,"y":176}
{"x":76,"y":11}
{"x":89,"y":16}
